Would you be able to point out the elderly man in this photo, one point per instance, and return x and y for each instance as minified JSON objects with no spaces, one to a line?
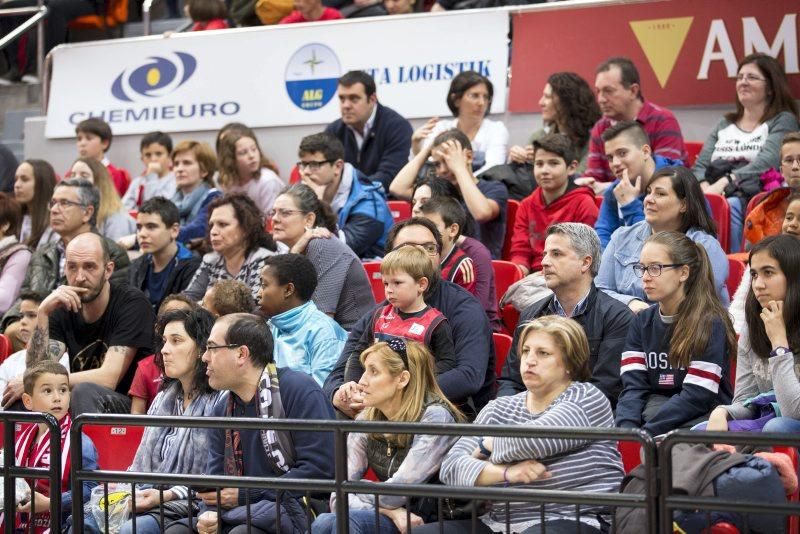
{"x":473,"y":376}
{"x":106,"y":328}
{"x":570,"y":263}
{"x":240,"y":359}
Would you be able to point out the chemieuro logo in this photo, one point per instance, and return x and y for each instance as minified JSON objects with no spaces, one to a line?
{"x":311,"y":76}
{"x":158,"y":77}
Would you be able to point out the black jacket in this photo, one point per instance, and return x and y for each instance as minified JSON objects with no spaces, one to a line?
{"x":385,"y":150}
{"x":473,"y":376}
{"x":605,"y":321}
{"x":182,"y":273}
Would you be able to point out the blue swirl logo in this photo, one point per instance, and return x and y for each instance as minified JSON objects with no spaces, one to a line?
{"x":158,"y":77}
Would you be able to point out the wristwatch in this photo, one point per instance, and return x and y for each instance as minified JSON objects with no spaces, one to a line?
{"x":484,"y":451}
{"x":779,"y":351}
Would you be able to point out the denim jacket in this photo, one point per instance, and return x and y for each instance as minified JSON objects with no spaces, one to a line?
{"x":616,"y":276}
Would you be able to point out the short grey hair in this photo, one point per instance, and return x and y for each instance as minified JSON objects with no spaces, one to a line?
{"x":88,"y":195}
{"x":583,"y":240}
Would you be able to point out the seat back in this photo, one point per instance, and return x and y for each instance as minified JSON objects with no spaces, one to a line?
{"x":502,"y":345}
{"x":720,"y":212}
{"x":511,"y":215}
{"x":401,"y":210}
{"x":116,"y":14}
{"x":505,"y":274}
{"x":5,"y":347}
{"x":735,"y":272}
{"x":116,"y":445}
{"x":373,"y":269}
{"x":693,"y":149}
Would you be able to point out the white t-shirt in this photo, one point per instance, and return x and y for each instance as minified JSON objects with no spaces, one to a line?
{"x":734,"y":143}
{"x":490,"y":146}
{"x":14,"y":366}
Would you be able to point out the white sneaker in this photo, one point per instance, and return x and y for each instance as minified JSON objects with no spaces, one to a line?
{"x":30,"y":79}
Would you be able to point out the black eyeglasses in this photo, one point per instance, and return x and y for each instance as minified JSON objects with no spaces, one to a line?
{"x":654,"y":269}
{"x":313,"y":165}
{"x":230,"y":346}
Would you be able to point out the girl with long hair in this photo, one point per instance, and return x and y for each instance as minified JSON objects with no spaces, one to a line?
{"x":34,"y":182}
{"x":399,"y":385}
{"x":675,"y":365}
{"x":113,"y":220}
{"x":768,"y":360}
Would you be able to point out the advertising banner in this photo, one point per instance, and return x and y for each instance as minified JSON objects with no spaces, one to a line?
{"x":686,"y":51}
{"x":273,"y":76}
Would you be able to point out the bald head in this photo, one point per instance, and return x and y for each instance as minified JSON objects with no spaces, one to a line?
{"x":90,"y":243}
{"x":88,"y":264}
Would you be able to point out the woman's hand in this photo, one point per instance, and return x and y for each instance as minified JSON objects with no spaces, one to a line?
{"x":149,"y":498}
{"x":349,"y":399}
{"x":398,"y":517}
{"x":772,"y":316}
{"x":637,"y":305}
{"x":521,"y":154}
{"x":41,"y":504}
{"x":207,"y":523}
{"x":718,"y":421}
{"x":526,"y":472}
{"x":718,"y":187}
{"x":422,"y":133}
{"x":308,"y":235}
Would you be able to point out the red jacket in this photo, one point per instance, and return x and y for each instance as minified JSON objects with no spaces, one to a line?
{"x":577,"y":204}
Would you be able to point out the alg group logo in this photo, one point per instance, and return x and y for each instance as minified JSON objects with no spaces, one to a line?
{"x":312,"y":75}
{"x":159,"y":76}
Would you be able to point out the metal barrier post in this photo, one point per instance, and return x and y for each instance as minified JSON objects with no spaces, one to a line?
{"x":40,"y":44}
{"x":146,"y":7}
{"x":340,"y":473}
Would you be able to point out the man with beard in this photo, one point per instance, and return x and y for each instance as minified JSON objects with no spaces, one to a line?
{"x":105,"y":328}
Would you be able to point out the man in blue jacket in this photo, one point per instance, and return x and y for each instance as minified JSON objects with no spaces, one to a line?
{"x":239,"y":356}
{"x":633,"y":163}
{"x":364,"y":217}
{"x":470,"y":384}
{"x":376,"y":139}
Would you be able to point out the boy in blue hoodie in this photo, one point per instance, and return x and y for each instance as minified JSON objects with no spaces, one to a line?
{"x":166,"y":266}
{"x":633,"y":163}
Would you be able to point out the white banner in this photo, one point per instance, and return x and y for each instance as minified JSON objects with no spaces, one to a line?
{"x":273,"y":76}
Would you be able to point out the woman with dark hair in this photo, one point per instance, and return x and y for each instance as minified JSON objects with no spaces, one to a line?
{"x":768,"y":360}
{"x":14,"y":256}
{"x":305,"y":224}
{"x":568,"y":107}
{"x":674,"y":368}
{"x":469,"y":99}
{"x":33,"y":187}
{"x":673,"y":202}
{"x":239,"y":245}
{"x":243,"y":167}
{"x":182,"y":337}
{"x":554,"y":366}
{"x":746,"y":142}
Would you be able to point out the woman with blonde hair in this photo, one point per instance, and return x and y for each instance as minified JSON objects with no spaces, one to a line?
{"x":554,"y":364}
{"x":399,"y":384}
{"x":113,"y":220}
{"x":243,"y":168}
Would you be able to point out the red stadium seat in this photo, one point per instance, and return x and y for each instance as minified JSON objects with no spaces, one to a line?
{"x":510,"y":317}
{"x":720,"y":212}
{"x":373,"y":269}
{"x":505,"y":274}
{"x":753,"y":202}
{"x":793,"y":522}
{"x":631,"y":454}
{"x":693,"y":149}
{"x":502,"y":344}
{"x":294,"y":175}
{"x":5,"y":347}
{"x":401,"y":210}
{"x":735,"y":272}
{"x":598,"y":200}
{"x":116,"y":445}
{"x":511,"y":214}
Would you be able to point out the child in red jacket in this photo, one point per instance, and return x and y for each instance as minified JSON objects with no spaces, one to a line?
{"x":556,"y":199}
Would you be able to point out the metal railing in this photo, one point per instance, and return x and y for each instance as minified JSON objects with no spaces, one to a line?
{"x":669,"y":502}
{"x":343,"y":487}
{"x":11,"y":471}
{"x":38,"y":14}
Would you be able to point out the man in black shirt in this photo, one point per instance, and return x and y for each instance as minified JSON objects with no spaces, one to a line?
{"x":105,"y":328}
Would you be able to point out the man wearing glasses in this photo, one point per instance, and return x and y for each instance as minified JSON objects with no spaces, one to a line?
{"x":569,"y":264}
{"x":364,"y":218}
{"x":73,"y":211}
{"x":470,"y":384}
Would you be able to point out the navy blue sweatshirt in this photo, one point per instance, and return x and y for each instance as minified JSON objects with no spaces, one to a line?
{"x":302,"y":399}
{"x":645,"y":370}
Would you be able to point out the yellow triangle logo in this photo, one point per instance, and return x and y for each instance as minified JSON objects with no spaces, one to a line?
{"x":662,"y":40}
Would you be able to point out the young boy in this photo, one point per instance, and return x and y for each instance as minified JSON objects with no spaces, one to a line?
{"x":157,"y":180}
{"x":13,"y":367}
{"x":766,"y":218}
{"x":556,"y":199}
{"x":166,"y":266}
{"x":407,"y":274}
{"x":93,"y":138}
{"x":449,"y":217}
{"x":633,"y":163}
{"x":228,"y":296}
{"x":451,"y":154}
{"x":47,"y":391}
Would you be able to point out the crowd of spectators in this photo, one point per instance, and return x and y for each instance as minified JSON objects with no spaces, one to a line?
{"x":261,"y":306}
